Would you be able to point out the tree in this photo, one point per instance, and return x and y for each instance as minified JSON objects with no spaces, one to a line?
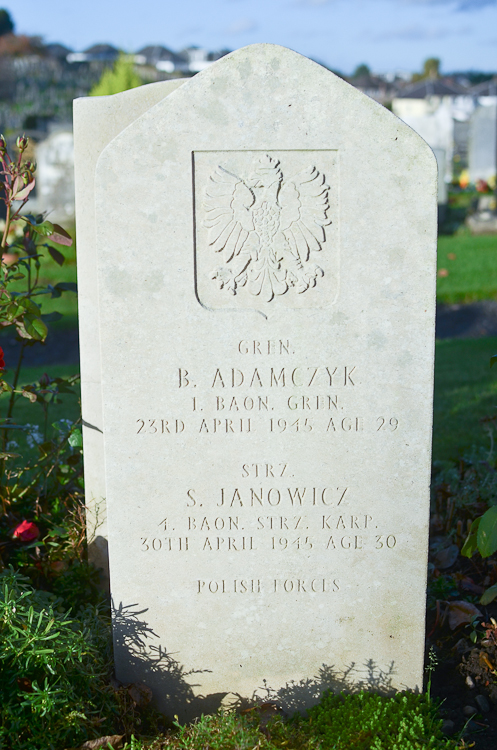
{"x":431,"y":69}
{"x":120,"y":78}
{"x":6,"y":23}
{"x":361,"y":70}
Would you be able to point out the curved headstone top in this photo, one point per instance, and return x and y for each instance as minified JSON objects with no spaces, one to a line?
{"x":265,"y":245}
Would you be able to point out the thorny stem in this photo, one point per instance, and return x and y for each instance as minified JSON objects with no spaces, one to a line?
{"x":7,"y":226}
{"x":13,"y":394}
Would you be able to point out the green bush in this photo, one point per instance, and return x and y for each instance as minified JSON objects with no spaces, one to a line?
{"x":367,"y":721}
{"x":54,"y":670}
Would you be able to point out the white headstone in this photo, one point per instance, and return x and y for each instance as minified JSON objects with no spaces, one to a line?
{"x":265,"y":242}
{"x":483,"y":143}
{"x":55,"y":175}
{"x":436,"y":127}
{"x":97,"y":120}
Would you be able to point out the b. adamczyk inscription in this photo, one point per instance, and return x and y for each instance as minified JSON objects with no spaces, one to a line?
{"x":266,"y":228}
{"x":266,"y":243}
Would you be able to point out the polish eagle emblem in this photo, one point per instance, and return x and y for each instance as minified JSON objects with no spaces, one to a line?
{"x":267,"y":229}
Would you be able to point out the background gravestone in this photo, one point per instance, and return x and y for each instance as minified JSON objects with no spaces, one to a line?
{"x":266,"y":275}
{"x":55,"y":175}
{"x":483,"y":143}
{"x":97,"y":120}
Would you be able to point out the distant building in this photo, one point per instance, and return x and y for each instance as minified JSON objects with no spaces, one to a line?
{"x":486,"y":92}
{"x":57,"y":51}
{"x":439,"y":111}
{"x":103,"y":53}
{"x":189,"y":60}
{"x":161,"y":58}
{"x":378,"y":88}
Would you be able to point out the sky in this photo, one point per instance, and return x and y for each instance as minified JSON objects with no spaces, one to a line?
{"x":387,"y":35}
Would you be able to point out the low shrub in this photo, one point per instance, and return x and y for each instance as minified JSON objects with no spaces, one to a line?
{"x":54,"y":669}
{"x":362,"y":721}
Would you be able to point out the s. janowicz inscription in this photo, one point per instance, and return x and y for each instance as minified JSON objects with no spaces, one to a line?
{"x":266,"y":228}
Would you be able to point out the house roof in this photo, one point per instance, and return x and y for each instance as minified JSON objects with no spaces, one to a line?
{"x":487,"y":88}
{"x":431,"y":87}
{"x":156,"y":52}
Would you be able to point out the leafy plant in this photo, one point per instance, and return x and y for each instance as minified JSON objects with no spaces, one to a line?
{"x":54,"y":670}
{"x":31,"y":472}
{"x":363,"y":721}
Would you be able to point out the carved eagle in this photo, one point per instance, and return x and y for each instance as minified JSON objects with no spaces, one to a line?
{"x":266,"y":228}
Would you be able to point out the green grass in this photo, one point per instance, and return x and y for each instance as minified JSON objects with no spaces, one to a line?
{"x":465,"y":392}
{"x":472,"y":274}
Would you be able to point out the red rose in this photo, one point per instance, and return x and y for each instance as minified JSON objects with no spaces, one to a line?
{"x":26,"y":531}
{"x":2,"y":361}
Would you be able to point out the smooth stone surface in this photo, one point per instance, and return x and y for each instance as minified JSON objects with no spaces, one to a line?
{"x":97,"y":120}
{"x":266,"y":242}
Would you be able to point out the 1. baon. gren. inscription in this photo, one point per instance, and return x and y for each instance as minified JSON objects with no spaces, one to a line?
{"x":266,"y":229}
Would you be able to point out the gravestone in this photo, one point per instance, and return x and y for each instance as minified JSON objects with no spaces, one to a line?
{"x":483,"y":143}
{"x":55,"y":175}
{"x":264,"y":239}
{"x":97,"y":120}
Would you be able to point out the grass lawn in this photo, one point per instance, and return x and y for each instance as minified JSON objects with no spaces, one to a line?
{"x":471,"y":266}
{"x":465,"y":392}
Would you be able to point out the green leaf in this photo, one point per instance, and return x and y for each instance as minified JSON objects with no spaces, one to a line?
{"x":29,"y":305}
{"x":9,"y":455}
{"x":471,"y":544}
{"x":60,"y":236}
{"x":56,"y":255}
{"x":12,"y":310}
{"x":66,"y":286}
{"x":489,"y":595}
{"x":46,"y":228}
{"x":487,"y":533}
{"x":493,"y":360}
{"x":76,"y":439}
{"x":35,"y":327}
